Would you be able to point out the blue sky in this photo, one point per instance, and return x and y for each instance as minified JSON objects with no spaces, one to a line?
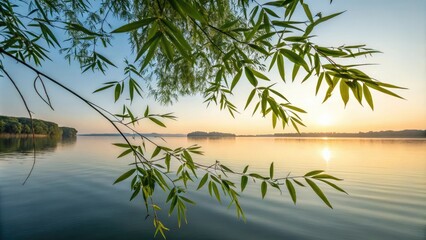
{"x":397,"y":28}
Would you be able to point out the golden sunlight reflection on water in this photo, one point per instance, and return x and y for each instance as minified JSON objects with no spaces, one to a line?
{"x":326,"y":154}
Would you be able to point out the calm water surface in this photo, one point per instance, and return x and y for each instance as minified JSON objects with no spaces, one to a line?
{"x":70,"y":194}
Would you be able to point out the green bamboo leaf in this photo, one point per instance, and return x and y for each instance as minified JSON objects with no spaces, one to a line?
{"x":259,"y":49}
{"x":278,"y":94}
{"x":117,"y":92}
{"x":317,"y":63}
{"x":125,"y":153}
{"x":167,"y":161}
{"x":134,"y":25}
{"x":280,"y":63}
{"x":123,"y":145}
{"x":270,"y":12}
{"x":368,"y":96}
{"x":333,"y":185}
{"x":286,"y":24}
{"x":387,"y":85}
{"x":318,"y":191}
{"x":260,"y":75}
{"x":216,"y":191}
{"x":319,"y":83}
{"x":177,"y":33}
{"x":181,"y":49}
{"x":191,"y":10}
{"x":264,"y":189}
{"x":274,"y":120}
{"x":226,"y":168}
{"x":147,"y":45}
{"x":245,"y":169}
{"x":294,"y":108}
{"x":295,"y":58}
{"x":271,"y":170}
{"x":203,"y":181}
{"x":236,"y":78}
{"x":291,"y":190}
{"x":274,"y":58}
{"x":326,"y":176}
{"x":265,"y":36}
{"x":48,"y":32}
{"x":229,"y":24}
{"x":103,"y":88}
{"x":250,"y":76}
{"x":344,"y":91}
{"x":315,"y":172}
{"x":255,"y":175}
{"x":156,"y":121}
{"x":383,"y":90}
{"x":173,"y":205}
{"x":264,"y":101}
{"x":188,"y":200}
{"x":244,"y":181}
{"x":103,"y":58}
{"x":298,"y":183}
{"x":125,"y":176}
{"x":157,"y":150}
{"x":167,"y":49}
{"x":323,"y":19}
{"x":146,"y":111}
{"x":295,"y":70}
{"x":295,"y":39}
{"x":77,"y":27}
{"x":308,"y":12}
{"x":135,"y":193}
{"x":250,"y":97}
{"x":330,"y":52}
{"x":357,"y":91}
{"x":151,"y":53}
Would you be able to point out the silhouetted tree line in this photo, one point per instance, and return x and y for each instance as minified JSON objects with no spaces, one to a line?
{"x":210,"y":134}
{"x":14,"y":125}
{"x":380,"y":134}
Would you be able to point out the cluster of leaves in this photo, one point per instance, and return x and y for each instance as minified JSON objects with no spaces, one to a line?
{"x":185,"y":47}
{"x":172,"y":170}
{"x":176,"y":40}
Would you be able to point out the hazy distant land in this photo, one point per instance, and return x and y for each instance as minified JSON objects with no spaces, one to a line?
{"x":202,"y":134}
{"x":370,"y":134}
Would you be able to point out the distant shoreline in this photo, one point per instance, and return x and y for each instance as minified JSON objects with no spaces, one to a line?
{"x":419,"y":134}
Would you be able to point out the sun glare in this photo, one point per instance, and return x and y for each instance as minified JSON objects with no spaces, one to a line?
{"x":325,"y":119}
{"x":326,"y":154}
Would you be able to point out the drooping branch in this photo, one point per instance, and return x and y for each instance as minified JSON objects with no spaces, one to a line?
{"x":31,"y":118}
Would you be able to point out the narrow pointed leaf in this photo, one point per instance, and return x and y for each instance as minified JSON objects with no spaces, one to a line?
{"x":291,"y":190}
{"x":244,"y":180}
{"x":125,"y":176}
{"x":318,"y":191}
{"x":264,"y":189}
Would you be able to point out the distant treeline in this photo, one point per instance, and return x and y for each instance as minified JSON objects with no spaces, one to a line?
{"x":371,"y":134}
{"x":210,"y":134}
{"x":19,"y":125}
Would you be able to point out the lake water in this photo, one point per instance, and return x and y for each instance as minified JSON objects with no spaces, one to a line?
{"x":70,"y":193}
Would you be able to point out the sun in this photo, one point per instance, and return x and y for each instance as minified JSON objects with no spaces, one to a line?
{"x":325,"y":119}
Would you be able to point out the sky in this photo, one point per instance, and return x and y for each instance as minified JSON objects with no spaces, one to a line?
{"x":396,"y":28}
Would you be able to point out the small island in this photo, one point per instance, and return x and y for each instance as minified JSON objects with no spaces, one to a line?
{"x":200,"y":134}
{"x":21,"y":127}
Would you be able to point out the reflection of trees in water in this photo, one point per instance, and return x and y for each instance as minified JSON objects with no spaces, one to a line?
{"x":45,"y":144}
{"x":68,"y":141}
